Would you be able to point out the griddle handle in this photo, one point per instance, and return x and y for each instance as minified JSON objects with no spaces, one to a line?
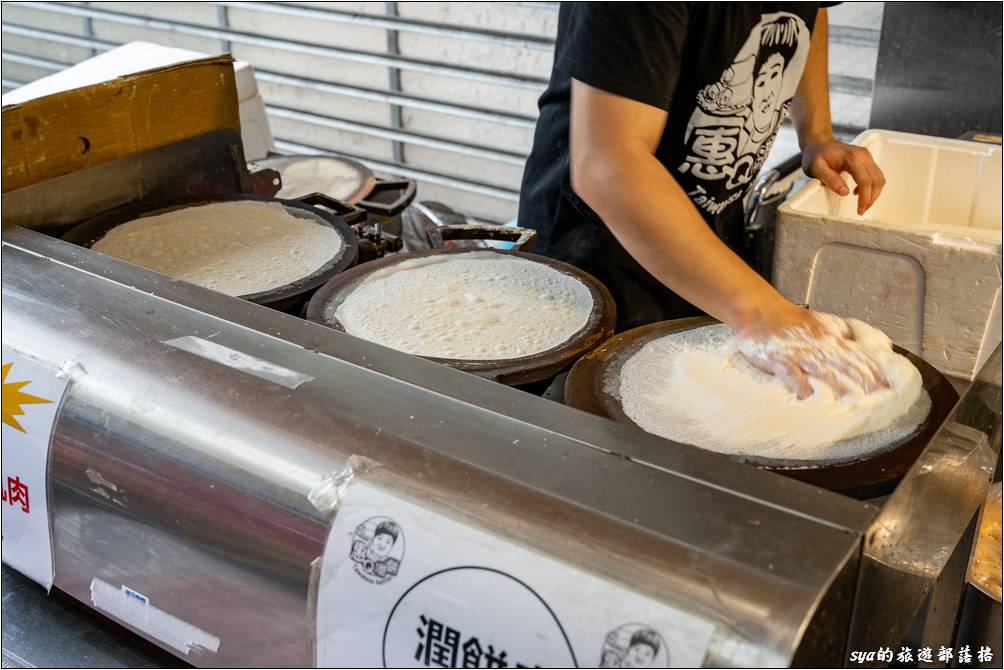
{"x":350,"y":214}
{"x":763,"y":189}
{"x":522,"y":237}
{"x":789,"y":165}
{"x":384,"y":188}
{"x":264,"y":182}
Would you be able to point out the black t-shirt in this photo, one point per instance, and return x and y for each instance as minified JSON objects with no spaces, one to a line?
{"x":725,"y":72}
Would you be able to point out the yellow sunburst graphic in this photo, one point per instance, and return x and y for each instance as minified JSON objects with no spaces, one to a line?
{"x":14,"y":397}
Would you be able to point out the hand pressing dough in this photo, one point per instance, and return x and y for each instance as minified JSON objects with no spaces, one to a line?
{"x":695,"y":387}
{"x":237,"y":248}
{"x":477,"y":305}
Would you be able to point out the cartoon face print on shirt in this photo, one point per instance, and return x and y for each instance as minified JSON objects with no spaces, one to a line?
{"x":766,"y":89}
{"x":736,"y":118}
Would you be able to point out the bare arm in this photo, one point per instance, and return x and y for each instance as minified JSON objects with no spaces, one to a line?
{"x":810,"y":109}
{"x":823,"y":156}
{"x":614,"y":170}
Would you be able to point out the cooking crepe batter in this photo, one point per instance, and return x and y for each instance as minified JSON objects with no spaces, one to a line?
{"x":695,"y":387}
{"x":238,"y":248}
{"x":477,"y":305}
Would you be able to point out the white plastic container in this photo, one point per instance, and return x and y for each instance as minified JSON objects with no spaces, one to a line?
{"x":923,"y":264}
{"x":138,"y":56}
{"x":255,"y":132}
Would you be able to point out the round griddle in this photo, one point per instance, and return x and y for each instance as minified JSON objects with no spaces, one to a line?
{"x":92,"y":230}
{"x":584,"y":389}
{"x":511,"y":371}
{"x":341,"y":178}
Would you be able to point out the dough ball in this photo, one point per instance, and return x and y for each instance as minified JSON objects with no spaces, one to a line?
{"x":696,"y":387}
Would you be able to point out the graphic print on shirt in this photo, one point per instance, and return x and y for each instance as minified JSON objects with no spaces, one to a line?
{"x":732,"y":128}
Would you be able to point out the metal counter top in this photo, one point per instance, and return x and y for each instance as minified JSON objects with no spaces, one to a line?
{"x":56,"y":631}
{"x":228,"y":429}
{"x":218,"y":462}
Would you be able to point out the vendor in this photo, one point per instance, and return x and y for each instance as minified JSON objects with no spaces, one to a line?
{"x":656,"y":121}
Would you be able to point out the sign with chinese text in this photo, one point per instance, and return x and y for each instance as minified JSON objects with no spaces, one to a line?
{"x":402,"y":586}
{"x":31,"y":398}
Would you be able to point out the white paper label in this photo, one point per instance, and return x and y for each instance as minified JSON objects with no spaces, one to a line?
{"x":31,"y":398}
{"x":401,"y":586}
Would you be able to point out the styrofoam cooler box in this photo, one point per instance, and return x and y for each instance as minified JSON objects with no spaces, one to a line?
{"x":923,"y":264}
{"x":138,"y":56}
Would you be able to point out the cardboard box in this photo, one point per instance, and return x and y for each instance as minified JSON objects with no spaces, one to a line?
{"x":139,"y":56}
{"x":64,"y":132}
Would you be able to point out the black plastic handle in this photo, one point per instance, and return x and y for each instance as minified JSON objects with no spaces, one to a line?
{"x":522,"y":237}
{"x":350,"y":214}
{"x":789,"y":165}
{"x":389,"y":197}
{"x":761,"y":192}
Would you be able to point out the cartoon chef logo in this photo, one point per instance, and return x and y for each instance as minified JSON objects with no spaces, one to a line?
{"x":732,"y":128}
{"x":634,"y":645}
{"x":377,"y":549}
